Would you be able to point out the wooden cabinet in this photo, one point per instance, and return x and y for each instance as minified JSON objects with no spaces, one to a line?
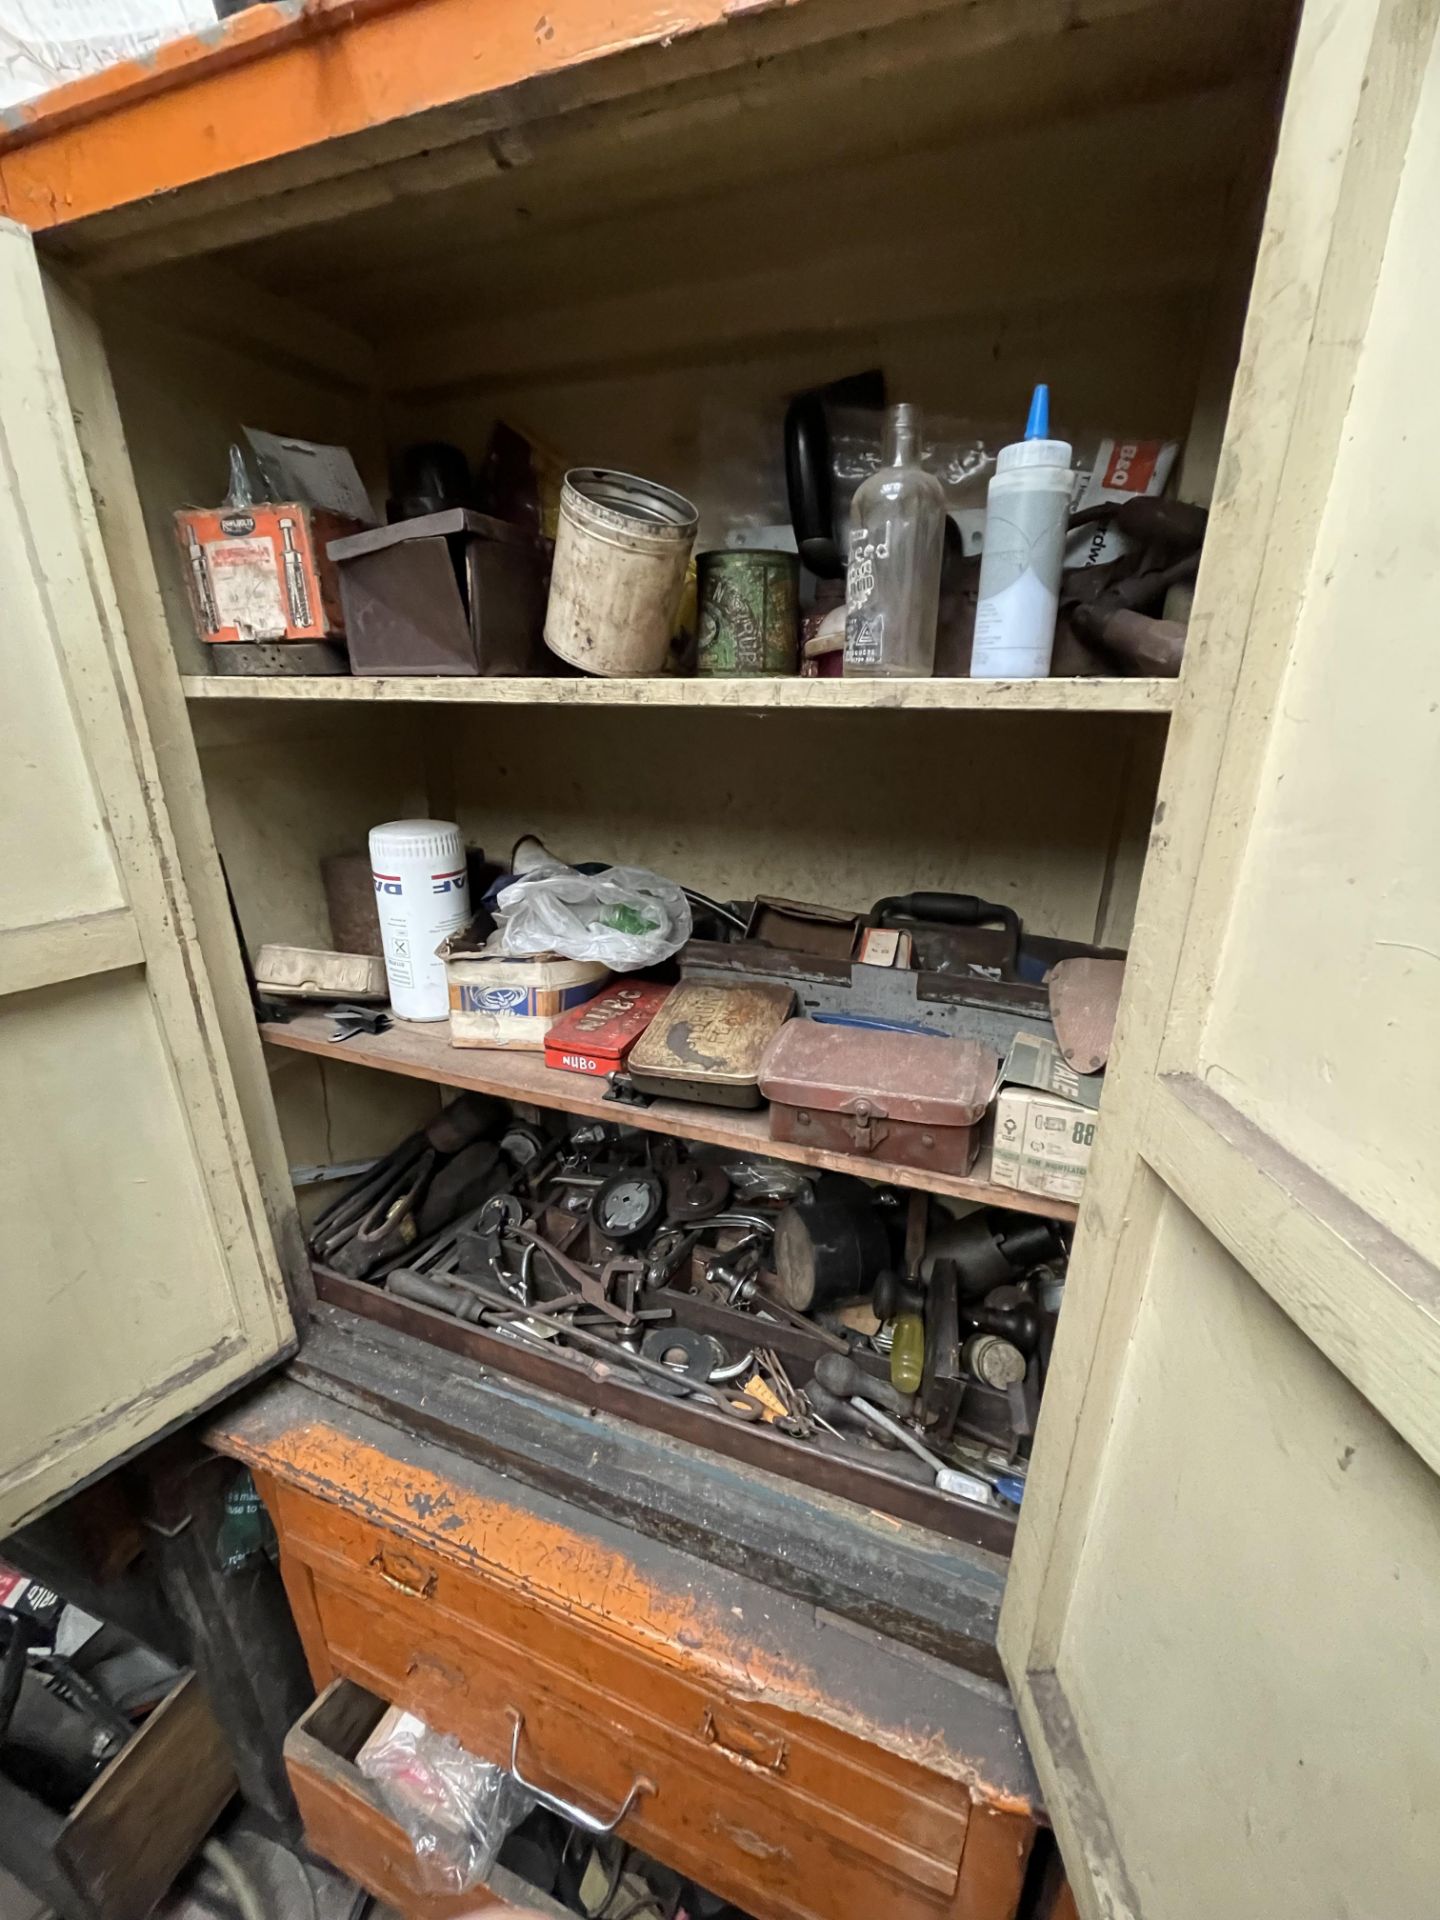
{"x":1205,"y":220}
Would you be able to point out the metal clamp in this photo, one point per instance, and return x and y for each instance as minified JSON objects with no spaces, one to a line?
{"x":591,"y":1822}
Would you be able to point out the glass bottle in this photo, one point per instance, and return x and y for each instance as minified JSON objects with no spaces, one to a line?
{"x":897,"y":537}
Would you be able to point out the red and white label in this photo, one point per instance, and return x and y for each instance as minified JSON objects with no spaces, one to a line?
{"x":1131,"y":466}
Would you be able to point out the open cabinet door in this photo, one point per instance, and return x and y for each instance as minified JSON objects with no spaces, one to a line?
{"x":1222,"y":1620}
{"x":141,"y":1280}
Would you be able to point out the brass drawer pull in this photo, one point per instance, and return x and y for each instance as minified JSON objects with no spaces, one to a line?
{"x":591,"y":1822}
{"x":764,"y":1752}
{"x":407,"y":1576}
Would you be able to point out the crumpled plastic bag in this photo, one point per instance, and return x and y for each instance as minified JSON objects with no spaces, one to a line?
{"x":625,"y":917}
{"x":456,"y":1809}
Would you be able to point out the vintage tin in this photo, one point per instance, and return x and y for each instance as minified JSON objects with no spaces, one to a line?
{"x":749,"y":613}
{"x":706,"y":1042}
{"x":596,"y":1038}
{"x":912,"y":1099}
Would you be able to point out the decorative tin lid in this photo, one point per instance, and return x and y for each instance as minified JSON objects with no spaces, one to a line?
{"x":712,"y":1033}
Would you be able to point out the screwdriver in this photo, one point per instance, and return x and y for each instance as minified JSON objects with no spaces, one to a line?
{"x":947,"y":1479}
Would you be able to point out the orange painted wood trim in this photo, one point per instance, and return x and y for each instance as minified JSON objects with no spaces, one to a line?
{"x":280,"y":78}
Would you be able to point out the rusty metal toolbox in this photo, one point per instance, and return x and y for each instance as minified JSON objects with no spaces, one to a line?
{"x":912,"y":1099}
{"x":448,"y":593}
{"x":706,"y":1043}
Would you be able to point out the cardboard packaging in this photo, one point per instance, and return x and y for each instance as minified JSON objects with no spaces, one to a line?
{"x":1045,"y":1121}
{"x":497,"y":1001}
{"x":597,"y":1038}
{"x":261,"y":573}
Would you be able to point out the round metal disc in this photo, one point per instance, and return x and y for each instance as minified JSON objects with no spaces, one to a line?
{"x":628,"y":1205}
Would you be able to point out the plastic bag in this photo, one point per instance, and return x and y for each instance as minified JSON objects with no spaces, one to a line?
{"x":456,"y":1809}
{"x":625,"y":917}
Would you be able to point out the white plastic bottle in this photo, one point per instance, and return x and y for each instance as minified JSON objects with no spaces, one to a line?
{"x":422,"y":893}
{"x":1027,"y":512}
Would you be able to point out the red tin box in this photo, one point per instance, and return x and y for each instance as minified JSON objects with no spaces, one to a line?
{"x":595,"y":1038}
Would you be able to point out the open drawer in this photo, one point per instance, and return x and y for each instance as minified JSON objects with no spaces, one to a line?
{"x":347,"y":1825}
{"x":123,"y":1842}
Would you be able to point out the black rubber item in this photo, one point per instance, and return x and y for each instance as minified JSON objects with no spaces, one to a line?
{"x":424,"y":1291}
{"x":474,"y":1116}
{"x":827,"y":1251}
{"x":461,"y":1185}
{"x":627,"y":1207}
{"x":845,"y":1380}
{"x":1007,"y":1312}
{"x":890,"y":1296}
{"x":947,"y":910}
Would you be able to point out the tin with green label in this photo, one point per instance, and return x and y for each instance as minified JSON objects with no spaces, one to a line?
{"x":749,"y":613}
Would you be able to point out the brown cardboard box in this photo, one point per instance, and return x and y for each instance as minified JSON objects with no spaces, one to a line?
{"x":261,"y":572}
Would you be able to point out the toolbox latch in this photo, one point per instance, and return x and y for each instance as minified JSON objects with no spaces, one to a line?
{"x":867,"y":1126}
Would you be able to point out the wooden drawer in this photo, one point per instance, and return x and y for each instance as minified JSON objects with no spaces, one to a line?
{"x":123,"y":1842}
{"x":789,"y":1816}
{"x":346,"y":1824}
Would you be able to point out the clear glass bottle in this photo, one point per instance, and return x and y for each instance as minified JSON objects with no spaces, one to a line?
{"x":897,"y":538}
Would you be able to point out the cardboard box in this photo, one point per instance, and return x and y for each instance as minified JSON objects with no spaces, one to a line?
{"x":262,"y":572}
{"x":1045,"y":1121}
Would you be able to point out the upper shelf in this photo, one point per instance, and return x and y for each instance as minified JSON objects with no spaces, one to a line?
{"x":997,"y":696}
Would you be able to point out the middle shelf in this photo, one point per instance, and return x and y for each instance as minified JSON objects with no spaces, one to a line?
{"x":1056,"y":695}
{"x":424,"y":1052}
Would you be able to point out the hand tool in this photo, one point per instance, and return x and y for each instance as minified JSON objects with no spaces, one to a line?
{"x":594,"y":1288}
{"x":728,"y":1399}
{"x":353,"y":1020}
{"x":948,"y":1479}
{"x":748,"y":1292}
{"x":839,"y":1374}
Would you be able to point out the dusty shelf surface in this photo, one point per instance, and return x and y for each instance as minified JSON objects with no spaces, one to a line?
{"x":936,"y":696}
{"x":424,"y":1052}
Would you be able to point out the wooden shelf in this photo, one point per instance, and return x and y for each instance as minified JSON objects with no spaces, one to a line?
{"x":942,"y":696}
{"x":424,"y":1052}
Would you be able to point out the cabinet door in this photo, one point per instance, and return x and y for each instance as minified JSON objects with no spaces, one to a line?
{"x":141,"y":1280}
{"x":1222,"y":1618}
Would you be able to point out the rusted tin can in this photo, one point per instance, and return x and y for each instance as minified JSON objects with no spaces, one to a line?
{"x":622,"y":547}
{"x":749,"y":613}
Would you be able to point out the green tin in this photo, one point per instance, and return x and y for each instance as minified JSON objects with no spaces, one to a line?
{"x":749,"y":613}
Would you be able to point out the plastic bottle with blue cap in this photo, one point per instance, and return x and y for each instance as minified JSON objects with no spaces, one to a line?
{"x":1027,"y":512}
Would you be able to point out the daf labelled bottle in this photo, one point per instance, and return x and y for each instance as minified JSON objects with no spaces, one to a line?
{"x":1026,"y":516}
{"x":422,"y":894}
{"x":897,"y":537}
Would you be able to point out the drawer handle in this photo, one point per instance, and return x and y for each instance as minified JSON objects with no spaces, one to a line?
{"x":591,"y":1822}
{"x":765,"y":1752}
{"x":421,"y":1584}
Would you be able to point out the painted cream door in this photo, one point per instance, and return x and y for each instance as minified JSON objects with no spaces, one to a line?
{"x":1223,"y":1624}
{"x":140,"y":1278}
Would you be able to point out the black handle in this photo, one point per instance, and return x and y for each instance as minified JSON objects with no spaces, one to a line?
{"x":807,"y":482}
{"x":948,"y":910}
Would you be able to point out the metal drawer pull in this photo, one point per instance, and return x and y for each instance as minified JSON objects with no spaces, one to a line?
{"x":591,"y":1822}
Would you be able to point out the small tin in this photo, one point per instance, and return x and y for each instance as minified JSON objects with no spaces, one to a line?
{"x":749,"y":613}
{"x":595,"y":1038}
{"x":706,"y":1042}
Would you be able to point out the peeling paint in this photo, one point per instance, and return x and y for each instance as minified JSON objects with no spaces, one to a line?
{"x":579,"y":1577}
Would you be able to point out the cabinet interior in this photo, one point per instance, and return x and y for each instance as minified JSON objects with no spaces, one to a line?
{"x":972,"y":200}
